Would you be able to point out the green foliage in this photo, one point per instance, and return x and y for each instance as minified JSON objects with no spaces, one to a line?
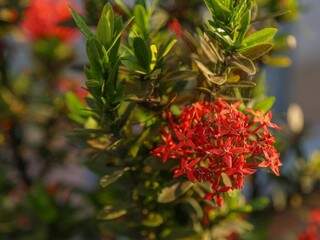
{"x":104,"y":61}
{"x":266,"y":104}
{"x":136,"y":72}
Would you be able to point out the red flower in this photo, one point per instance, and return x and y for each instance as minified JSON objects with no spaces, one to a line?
{"x":43,"y":19}
{"x":175,"y":27}
{"x":312,"y":232}
{"x":217,"y":143}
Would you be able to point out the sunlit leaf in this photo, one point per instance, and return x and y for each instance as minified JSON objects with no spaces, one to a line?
{"x":265,"y":105}
{"x":278,"y":61}
{"x":153,"y":220}
{"x":169,"y":194}
{"x":257,"y":51}
{"x":109,"y":213}
{"x":244,"y":63}
{"x":265,"y":35}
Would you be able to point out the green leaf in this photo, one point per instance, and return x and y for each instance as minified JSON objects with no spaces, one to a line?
{"x":210,"y":76}
{"x":109,"y":213}
{"x":80,"y":22}
{"x":117,"y":38}
{"x":244,"y":25}
{"x":111,"y":178}
{"x":169,"y":194}
{"x":265,"y":35}
{"x":169,"y":47}
{"x":265,"y":105}
{"x":257,"y":51}
{"x":260,"y":203}
{"x":105,"y":28}
{"x":153,"y":220}
{"x":134,"y":150}
{"x":123,"y":7}
{"x":142,"y":53}
{"x":277,"y":61}
{"x":76,"y":108}
{"x":141,"y":19}
{"x":94,"y":52}
{"x":244,"y":63}
{"x":218,"y":9}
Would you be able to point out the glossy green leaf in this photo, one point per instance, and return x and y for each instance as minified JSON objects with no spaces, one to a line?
{"x":265,"y":105}
{"x":265,"y":35}
{"x":141,"y":19}
{"x":76,"y":108}
{"x":244,"y":25}
{"x":105,"y":26}
{"x":169,"y":47}
{"x":218,"y":9}
{"x":142,"y":53}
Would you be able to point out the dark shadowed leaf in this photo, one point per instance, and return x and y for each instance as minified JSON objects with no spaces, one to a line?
{"x":111,"y":178}
{"x":142,"y":53}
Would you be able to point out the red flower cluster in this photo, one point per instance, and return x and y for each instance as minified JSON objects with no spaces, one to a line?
{"x":43,"y":19}
{"x":176,"y":27}
{"x":313,"y":230}
{"x":216,"y":142}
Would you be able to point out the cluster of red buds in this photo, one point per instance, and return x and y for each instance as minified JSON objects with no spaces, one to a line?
{"x":219,"y":143}
{"x":312,"y":232}
{"x":44,"y":19}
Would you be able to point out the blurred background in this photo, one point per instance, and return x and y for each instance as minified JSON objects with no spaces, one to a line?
{"x":49,"y":186}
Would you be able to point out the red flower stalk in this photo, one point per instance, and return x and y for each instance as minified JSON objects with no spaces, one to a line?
{"x":217,"y":143}
{"x":312,"y":232}
{"x":43,"y":19}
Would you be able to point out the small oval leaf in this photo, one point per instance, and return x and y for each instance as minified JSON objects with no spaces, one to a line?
{"x":244,"y":63}
{"x":109,"y":213}
{"x":169,"y":194}
{"x":153,"y":220}
{"x":256,"y":51}
{"x":265,"y":105}
{"x":210,"y":76}
{"x":111,"y":178}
